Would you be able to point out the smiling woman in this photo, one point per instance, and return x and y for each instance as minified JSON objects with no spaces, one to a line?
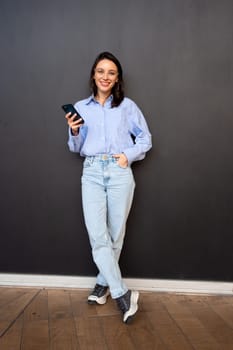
{"x":107,"y":180}
{"x":106,"y":76}
{"x":107,"y":70}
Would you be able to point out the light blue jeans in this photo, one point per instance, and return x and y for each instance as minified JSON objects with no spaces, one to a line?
{"x":107,"y":194}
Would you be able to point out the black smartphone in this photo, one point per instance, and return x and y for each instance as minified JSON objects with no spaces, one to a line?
{"x":69,"y":108}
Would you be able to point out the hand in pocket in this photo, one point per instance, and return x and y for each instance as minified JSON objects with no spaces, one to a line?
{"x":121,"y":160}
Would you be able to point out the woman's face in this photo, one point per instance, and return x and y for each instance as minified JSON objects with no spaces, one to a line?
{"x":105,"y":76}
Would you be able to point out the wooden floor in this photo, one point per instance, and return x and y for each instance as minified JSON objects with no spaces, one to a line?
{"x":42,"y":319}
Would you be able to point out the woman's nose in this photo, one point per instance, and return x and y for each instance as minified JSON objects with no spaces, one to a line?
{"x":105,"y":76}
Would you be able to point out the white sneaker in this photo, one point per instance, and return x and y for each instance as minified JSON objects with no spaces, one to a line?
{"x":99,"y":295}
{"x":128,"y":304}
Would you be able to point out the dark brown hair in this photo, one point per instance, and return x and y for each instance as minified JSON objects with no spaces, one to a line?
{"x":117,"y":90}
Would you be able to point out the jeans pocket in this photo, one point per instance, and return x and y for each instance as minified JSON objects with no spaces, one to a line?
{"x":121,"y":167}
{"x":87,"y":163}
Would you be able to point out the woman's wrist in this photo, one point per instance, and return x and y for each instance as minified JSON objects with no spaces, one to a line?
{"x":74,"y":132}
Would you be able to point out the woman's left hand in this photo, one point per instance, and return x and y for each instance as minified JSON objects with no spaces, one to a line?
{"x":121,"y":160}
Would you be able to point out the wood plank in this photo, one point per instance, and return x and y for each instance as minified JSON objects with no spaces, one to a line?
{"x":89,"y":333}
{"x":223,"y":306}
{"x":80,"y":307}
{"x":35,"y":331}
{"x":12,"y":338}
{"x":226,"y":313}
{"x":163,"y":324}
{"x":7,"y":295}
{"x":214,"y":324}
{"x":144,"y":335}
{"x":116,"y":333}
{"x":194,"y":330}
{"x":35,"y":335}
{"x":109,"y":309}
{"x":61,"y":322}
{"x":88,"y":327}
{"x":13,"y":309}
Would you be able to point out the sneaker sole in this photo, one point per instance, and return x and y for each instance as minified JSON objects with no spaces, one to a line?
{"x":92,"y":299}
{"x":128,"y":316}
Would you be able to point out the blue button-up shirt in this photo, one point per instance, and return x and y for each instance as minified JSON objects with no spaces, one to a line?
{"x":109,"y":130}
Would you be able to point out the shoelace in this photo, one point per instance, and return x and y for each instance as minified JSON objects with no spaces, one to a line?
{"x":122,"y":303}
{"x":98,"y":290}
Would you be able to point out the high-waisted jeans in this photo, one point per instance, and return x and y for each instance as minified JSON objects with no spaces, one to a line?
{"x":107,"y":193}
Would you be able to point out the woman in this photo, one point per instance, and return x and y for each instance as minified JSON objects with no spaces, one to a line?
{"x":114,"y":135}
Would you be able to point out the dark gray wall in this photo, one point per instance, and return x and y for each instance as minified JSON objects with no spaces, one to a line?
{"x":177,"y":58}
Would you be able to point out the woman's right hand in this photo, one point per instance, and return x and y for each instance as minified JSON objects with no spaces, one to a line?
{"x":73,"y":124}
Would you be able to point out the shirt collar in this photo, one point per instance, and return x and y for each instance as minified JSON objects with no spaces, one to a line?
{"x":91,"y":99}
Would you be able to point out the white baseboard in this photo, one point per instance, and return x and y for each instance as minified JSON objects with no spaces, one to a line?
{"x":156,"y":285}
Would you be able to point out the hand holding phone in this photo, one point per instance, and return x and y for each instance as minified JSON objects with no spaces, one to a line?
{"x":69,"y":108}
